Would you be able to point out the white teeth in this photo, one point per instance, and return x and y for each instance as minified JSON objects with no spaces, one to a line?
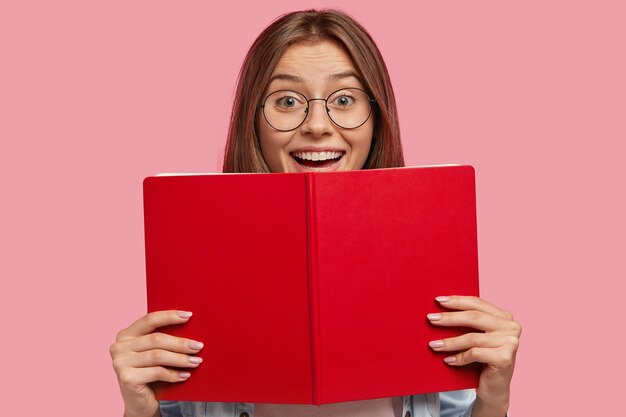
{"x":317,"y":156}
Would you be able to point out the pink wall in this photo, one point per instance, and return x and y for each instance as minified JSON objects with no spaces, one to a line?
{"x":95,"y":96}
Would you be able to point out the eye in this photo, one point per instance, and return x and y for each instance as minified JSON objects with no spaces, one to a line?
{"x":287,"y":100}
{"x":343,"y":100}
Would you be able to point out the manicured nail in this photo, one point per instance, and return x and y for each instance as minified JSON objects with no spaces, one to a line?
{"x":449,"y":360}
{"x":442,"y":299}
{"x":195,"y":359}
{"x":184,"y":375}
{"x":184,"y":314}
{"x":434,"y":316}
{"x":193,"y":345}
{"x":435,"y":344}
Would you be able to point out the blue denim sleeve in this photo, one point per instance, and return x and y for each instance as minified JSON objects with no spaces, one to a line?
{"x":457,"y":403}
{"x":170,"y":409}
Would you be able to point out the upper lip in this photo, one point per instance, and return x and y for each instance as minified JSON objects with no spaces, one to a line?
{"x":313,"y":149}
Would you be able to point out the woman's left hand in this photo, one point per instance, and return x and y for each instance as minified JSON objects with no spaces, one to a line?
{"x":495,"y":346}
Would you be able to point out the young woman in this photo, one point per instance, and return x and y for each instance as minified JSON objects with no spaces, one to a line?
{"x":314,"y":94}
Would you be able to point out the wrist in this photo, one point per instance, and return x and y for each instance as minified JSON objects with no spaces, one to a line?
{"x":491,"y":407}
{"x":157,"y":414}
{"x":140,"y":406}
{"x":135,"y":413}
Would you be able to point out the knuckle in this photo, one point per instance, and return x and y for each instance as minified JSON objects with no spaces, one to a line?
{"x":160,"y":374}
{"x":183,"y":344}
{"x":155,"y":356}
{"x":513,"y":341}
{"x":465,"y":357}
{"x":151,"y":319}
{"x":472,"y":301}
{"x":506,"y":358}
{"x":114,"y":350}
{"x":125,"y":377}
{"x":157,"y":339}
{"x":168,"y":375}
{"x":117,"y":365}
{"x":473,"y":339}
{"x":508,"y":315}
{"x":474,"y":316}
{"x":121,"y":335}
{"x":516,"y":328}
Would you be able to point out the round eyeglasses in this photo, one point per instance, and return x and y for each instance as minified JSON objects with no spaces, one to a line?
{"x":286,"y":110}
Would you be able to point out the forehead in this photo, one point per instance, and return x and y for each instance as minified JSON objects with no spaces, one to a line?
{"x":314,"y":62}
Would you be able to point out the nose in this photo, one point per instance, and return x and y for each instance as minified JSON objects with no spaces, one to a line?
{"x":317,"y":121}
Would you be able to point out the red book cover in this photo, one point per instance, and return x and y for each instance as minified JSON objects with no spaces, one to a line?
{"x":312,"y":288}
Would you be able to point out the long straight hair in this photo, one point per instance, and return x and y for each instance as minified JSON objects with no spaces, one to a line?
{"x":243,"y":150}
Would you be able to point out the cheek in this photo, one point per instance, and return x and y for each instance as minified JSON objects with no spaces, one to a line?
{"x":361,"y":144}
{"x":273,"y":147}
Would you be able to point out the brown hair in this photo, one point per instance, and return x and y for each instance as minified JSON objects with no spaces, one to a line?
{"x":243,"y":151}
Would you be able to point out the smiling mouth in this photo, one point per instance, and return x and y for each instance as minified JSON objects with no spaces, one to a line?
{"x":317,"y":160}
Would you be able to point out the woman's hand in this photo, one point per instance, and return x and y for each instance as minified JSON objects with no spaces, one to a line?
{"x":141,"y":356}
{"x":495,"y":346}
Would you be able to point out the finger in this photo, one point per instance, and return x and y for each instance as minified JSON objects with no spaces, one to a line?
{"x":471,"y":340}
{"x":500,"y":358}
{"x":460,"y":302}
{"x":142,"y":376}
{"x":163,"y":341}
{"x":474,"y":319}
{"x":159,"y":357}
{"x":152,"y":321}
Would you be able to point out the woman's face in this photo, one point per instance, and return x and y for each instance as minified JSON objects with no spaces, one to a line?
{"x":314,"y":69}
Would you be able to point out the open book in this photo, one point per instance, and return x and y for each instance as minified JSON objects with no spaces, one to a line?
{"x":312,"y":288}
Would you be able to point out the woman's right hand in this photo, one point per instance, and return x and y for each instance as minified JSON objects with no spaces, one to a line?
{"x":141,"y":356}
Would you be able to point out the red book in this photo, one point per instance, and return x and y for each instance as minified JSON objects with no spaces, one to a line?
{"x":312,"y":288}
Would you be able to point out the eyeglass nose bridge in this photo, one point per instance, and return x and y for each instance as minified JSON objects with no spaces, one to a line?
{"x":308,"y":106}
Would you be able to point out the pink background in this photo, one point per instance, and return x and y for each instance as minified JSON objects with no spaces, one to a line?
{"x":94,"y":96}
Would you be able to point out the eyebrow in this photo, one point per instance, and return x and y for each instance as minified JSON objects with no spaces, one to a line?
{"x":297,"y":79}
{"x":342,"y":75}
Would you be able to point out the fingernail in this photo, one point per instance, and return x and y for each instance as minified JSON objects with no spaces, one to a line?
{"x":184,"y":375}
{"x":442,"y":299}
{"x":193,"y":345}
{"x":195,"y":359}
{"x":184,"y":314}
{"x":434,"y":316}
{"x":449,"y":360}
{"x":435,"y":344}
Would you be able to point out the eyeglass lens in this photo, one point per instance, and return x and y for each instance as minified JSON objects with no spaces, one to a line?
{"x":348,"y":108}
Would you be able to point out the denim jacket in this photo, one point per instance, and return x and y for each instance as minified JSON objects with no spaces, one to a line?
{"x":444,"y":404}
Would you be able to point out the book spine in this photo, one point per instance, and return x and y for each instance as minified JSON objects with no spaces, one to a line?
{"x":311,"y":222}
